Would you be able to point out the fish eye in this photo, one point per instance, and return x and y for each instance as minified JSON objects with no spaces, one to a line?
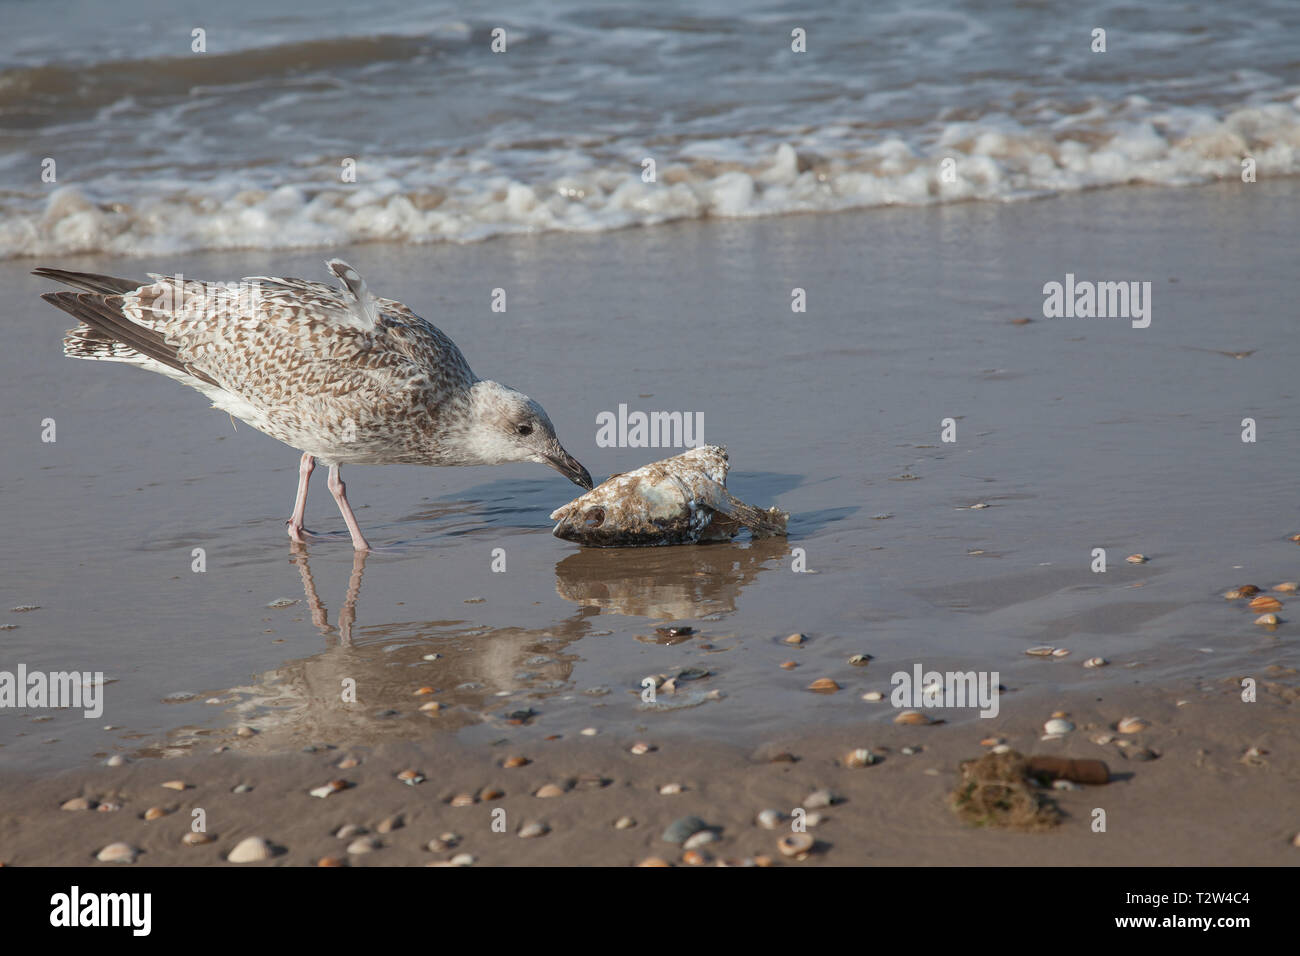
{"x":524,"y":429}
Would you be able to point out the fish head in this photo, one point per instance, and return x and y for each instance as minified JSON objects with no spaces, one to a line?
{"x":646,"y":507}
{"x":510,"y":426}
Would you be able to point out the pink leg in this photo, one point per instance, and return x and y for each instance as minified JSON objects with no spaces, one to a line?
{"x":340,"y":493}
{"x":305,"y":468}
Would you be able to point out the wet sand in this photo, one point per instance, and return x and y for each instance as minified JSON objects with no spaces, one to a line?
{"x":1201,"y":802}
{"x":1077,"y":433}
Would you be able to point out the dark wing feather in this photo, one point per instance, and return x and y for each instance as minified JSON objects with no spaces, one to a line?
{"x":103,"y":314}
{"x":90,"y":281}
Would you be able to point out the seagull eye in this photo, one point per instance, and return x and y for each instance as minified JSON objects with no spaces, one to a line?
{"x":525,"y":429}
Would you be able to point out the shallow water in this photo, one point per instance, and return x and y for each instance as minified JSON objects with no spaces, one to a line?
{"x":159,"y":149}
{"x":1078,"y":433}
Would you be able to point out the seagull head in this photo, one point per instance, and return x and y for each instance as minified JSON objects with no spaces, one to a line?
{"x":508,"y":426}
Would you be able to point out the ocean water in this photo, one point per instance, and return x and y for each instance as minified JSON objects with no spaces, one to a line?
{"x":158,"y":149}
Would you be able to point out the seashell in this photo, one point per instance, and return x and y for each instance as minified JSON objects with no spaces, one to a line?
{"x":795,"y":639}
{"x":1287,"y":587}
{"x":860,"y":660}
{"x":823,"y":685}
{"x":697,"y":840}
{"x":548,"y":790}
{"x":873,"y":695}
{"x":489,"y":793}
{"x":1058,"y":726}
{"x":411,"y":777}
{"x":991,"y":741}
{"x":859,"y":758}
{"x":515,"y":761}
{"x":820,"y":799}
{"x":154,"y":813}
{"x":1137,"y":559}
{"x":77,"y":803}
{"x":423,"y":691}
{"x":914,"y":717}
{"x":329,"y":861}
{"x":999,"y":749}
{"x":1042,"y":650}
{"x":624,"y":823}
{"x":695,"y":858}
{"x":250,"y":850}
{"x":1096,"y":662}
{"x":194,"y":838}
{"x":348,"y":762}
{"x":1102,"y":740}
{"x":462,"y":859}
{"x":463,"y":800}
{"x":1265,"y":603}
{"x":1268,"y":620}
{"x":1233,"y":594}
{"x":363,"y":845}
{"x":117,"y":853}
{"x":640,"y":747}
{"x":1060,"y":652}
{"x":432,"y":707}
{"x":334,"y":786}
{"x":769,"y":819}
{"x":530,"y":830}
{"x":788,"y":665}
{"x":795,"y":844}
{"x":654,"y":861}
{"x":1131,"y":725}
{"x":175,"y":785}
{"x":671,"y":789}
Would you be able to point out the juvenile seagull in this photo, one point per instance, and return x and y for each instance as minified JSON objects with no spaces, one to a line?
{"x":344,"y":376}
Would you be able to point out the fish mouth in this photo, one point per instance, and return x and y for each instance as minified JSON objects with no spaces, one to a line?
{"x":570,"y":468}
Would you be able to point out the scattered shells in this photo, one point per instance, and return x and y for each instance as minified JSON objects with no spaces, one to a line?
{"x":873,"y":695}
{"x":1131,"y":725}
{"x":859,"y":758}
{"x":363,"y":845}
{"x":695,"y":858}
{"x":548,"y":790}
{"x":108,"y":806}
{"x":245,"y":731}
{"x":411,"y":777}
{"x":795,"y":844}
{"x":624,"y":823}
{"x":194,"y":838}
{"x":1287,"y":587}
{"x":175,"y":785}
{"x":347,"y":763}
{"x":1268,"y":620}
{"x":250,"y":850}
{"x":654,"y":861}
{"x":116,"y":760}
{"x":639,"y":748}
{"x":462,"y":859}
{"x":423,"y":692}
{"x":530,"y":830}
{"x":463,"y":800}
{"x":991,"y":741}
{"x":349,"y":831}
{"x":1265,"y":603}
{"x":671,"y":789}
{"x":389,"y":824}
{"x":516,"y":761}
{"x":1096,"y":662}
{"x":1061,"y":652}
{"x":491,"y":793}
{"x":1102,"y":740}
{"x":860,"y":660}
{"x":795,"y":639}
{"x":1042,"y":650}
{"x":77,"y":803}
{"x":1137,"y":559}
{"x":330,"y":861}
{"x":914,"y":717}
{"x":789,"y":665}
{"x":823,"y":685}
{"x":1058,"y":726}
{"x":589,"y":731}
{"x":432,"y":707}
{"x":154,"y":813}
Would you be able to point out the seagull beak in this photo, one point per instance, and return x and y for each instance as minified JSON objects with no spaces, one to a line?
{"x":570,"y":468}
